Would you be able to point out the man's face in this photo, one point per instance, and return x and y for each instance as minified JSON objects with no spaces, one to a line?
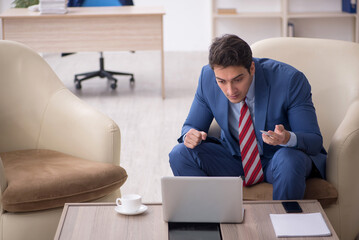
{"x":234,"y":81}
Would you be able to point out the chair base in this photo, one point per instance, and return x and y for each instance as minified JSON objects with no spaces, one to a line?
{"x":102,"y":73}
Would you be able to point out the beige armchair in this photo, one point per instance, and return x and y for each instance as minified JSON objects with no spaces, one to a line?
{"x":68,"y":151}
{"x":332,"y":68}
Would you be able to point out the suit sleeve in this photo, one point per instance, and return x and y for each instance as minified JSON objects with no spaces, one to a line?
{"x":200,"y":115}
{"x":302,"y":117}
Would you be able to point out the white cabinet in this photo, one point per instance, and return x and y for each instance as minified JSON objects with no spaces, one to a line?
{"x":254,"y":20}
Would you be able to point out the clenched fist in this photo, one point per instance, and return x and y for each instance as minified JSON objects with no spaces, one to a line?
{"x":194,"y":138}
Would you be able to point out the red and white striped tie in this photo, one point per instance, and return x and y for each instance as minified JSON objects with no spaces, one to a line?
{"x":251,"y":162}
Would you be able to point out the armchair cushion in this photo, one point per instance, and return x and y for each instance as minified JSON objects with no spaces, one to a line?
{"x":45,"y":179}
{"x":317,"y":188}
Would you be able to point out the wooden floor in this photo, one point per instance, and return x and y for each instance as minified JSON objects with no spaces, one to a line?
{"x":149,"y":125}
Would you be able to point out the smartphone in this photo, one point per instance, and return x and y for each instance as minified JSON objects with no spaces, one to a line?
{"x":292,"y":207}
{"x":265,"y":132}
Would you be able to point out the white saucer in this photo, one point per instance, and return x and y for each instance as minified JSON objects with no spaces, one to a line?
{"x":120,"y":209}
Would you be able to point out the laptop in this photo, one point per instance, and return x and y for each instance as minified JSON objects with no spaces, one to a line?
{"x":202,"y":199}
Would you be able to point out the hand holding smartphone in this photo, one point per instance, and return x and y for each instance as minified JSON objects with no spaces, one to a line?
{"x":264,"y":132}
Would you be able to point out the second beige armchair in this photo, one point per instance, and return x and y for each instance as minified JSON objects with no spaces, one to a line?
{"x":332,"y":68}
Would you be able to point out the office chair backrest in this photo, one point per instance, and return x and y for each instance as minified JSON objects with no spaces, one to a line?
{"x":101,"y":3}
{"x":98,"y":3}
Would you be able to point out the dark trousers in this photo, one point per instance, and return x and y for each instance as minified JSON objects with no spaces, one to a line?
{"x":287,"y":170}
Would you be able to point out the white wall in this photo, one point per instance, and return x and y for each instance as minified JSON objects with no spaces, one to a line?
{"x":188,"y":25}
{"x":5,"y":4}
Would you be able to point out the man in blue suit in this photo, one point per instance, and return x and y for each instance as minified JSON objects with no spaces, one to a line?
{"x":279,"y":100}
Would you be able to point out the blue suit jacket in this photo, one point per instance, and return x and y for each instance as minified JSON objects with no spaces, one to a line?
{"x":282,"y":96}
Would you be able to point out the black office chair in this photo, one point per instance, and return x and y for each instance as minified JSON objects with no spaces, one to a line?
{"x":102,"y":73}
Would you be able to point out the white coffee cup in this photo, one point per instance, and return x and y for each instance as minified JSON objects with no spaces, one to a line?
{"x":129,"y":202}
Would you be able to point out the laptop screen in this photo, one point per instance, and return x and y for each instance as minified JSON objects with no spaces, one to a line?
{"x":202,"y":199}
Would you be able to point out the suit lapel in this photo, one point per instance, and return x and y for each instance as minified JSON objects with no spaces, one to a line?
{"x":261,"y":101}
{"x":221,"y":113}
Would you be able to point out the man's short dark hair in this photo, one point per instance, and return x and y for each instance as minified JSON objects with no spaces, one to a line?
{"x":230,"y":50}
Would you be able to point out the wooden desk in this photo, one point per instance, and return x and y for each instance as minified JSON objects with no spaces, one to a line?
{"x":88,"y":29}
{"x":100,"y":221}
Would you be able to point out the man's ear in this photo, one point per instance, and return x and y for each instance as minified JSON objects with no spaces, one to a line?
{"x":252,"y":69}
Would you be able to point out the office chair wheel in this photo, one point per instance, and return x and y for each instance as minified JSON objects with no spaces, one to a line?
{"x":78,"y":85}
{"x":113,"y":85}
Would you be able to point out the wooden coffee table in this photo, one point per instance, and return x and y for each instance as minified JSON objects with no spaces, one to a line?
{"x":101,"y":221}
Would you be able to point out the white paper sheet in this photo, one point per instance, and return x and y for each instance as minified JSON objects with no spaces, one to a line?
{"x":297,"y":225}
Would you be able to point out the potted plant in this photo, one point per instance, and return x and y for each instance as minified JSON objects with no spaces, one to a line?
{"x":24,"y":3}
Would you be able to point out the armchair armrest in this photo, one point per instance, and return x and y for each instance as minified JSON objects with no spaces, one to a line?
{"x":342,"y":171}
{"x":72,"y":126}
{"x":3,"y":181}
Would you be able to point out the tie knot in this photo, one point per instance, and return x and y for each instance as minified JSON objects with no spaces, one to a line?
{"x":244,"y":99}
{"x":243,"y":102}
